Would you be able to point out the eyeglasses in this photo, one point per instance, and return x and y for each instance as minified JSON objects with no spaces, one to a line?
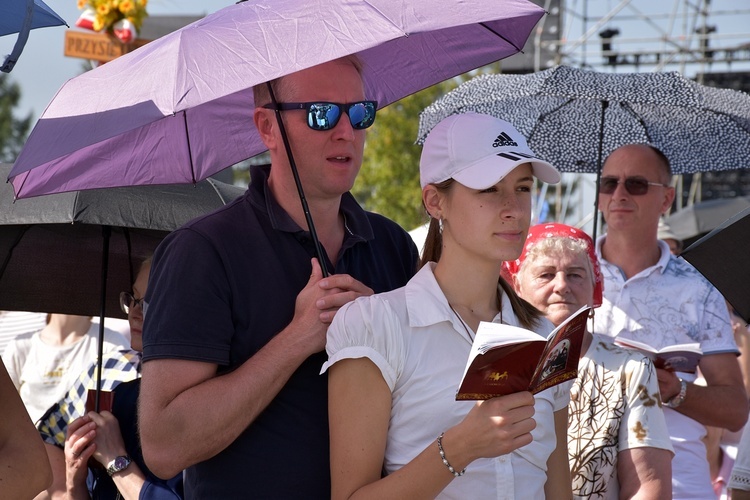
{"x":325,"y":115}
{"x":127,"y":302}
{"x":635,"y":186}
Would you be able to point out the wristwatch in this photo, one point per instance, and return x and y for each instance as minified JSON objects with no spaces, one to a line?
{"x":677,"y":399}
{"x":118,"y":464}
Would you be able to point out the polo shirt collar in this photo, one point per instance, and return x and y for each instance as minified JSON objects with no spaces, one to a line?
{"x":661,"y":264}
{"x":260,"y":195}
{"x":666,"y":256}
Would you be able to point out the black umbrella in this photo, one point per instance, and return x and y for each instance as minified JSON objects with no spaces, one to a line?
{"x":73,"y":253}
{"x":575,"y":118}
{"x":721,"y":256}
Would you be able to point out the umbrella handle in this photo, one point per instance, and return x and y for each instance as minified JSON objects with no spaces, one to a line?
{"x":305,"y":208}
{"x":605,"y":104}
{"x":106,"y":233}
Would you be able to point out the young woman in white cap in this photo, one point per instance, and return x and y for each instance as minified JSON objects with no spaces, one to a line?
{"x":396,"y":359}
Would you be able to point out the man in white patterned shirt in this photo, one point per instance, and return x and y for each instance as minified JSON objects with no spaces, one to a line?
{"x":654,"y":297}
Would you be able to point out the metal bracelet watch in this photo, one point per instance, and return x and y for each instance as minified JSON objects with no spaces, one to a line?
{"x":118,"y":464}
{"x":678,"y":398}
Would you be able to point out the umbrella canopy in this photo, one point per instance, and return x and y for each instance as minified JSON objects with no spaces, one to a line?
{"x":21,"y":16}
{"x":52,"y":247}
{"x":568,"y":113}
{"x":721,"y":256}
{"x":180,"y":108}
{"x":698,"y":219}
{"x":575,"y":118}
{"x":73,"y":253}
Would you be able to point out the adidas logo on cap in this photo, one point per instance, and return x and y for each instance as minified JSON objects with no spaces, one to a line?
{"x":504,"y":140}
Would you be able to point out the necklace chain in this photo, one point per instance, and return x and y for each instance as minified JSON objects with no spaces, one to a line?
{"x":463,"y":323}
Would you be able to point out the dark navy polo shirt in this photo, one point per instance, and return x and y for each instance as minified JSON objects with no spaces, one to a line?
{"x":221,"y":287}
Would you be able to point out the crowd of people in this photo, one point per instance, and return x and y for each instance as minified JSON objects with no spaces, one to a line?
{"x":251,"y":372}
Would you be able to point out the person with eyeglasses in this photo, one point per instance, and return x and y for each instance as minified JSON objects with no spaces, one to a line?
{"x":654,"y":297}
{"x":97,"y":454}
{"x":238,"y":306}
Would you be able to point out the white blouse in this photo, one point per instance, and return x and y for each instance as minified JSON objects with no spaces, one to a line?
{"x":421,"y":348}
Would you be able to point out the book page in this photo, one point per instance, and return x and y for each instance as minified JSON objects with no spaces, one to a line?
{"x":680,"y":358}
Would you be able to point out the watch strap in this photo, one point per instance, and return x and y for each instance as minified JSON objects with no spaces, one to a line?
{"x":118,"y":464}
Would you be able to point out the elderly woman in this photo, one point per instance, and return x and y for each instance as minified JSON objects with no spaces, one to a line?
{"x":618,"y":446}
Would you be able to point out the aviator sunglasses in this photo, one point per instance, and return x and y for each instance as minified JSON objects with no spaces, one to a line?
{"x":635,"y":186}
{"x":325,"y":115}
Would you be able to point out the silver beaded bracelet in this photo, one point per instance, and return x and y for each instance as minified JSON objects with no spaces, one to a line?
{"x":445,"y":460}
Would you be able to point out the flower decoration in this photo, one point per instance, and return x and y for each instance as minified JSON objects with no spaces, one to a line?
{"x":121,"y":18}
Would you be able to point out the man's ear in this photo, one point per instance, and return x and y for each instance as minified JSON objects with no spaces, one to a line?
{"x":669,"y":195}
{"x":265,"y":123}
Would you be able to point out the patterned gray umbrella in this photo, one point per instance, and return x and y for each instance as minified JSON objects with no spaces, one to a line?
{"x":575,"y":118}
{"x":566,"y":113}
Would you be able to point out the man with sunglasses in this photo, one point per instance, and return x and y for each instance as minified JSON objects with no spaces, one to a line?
{"x":237,"y":307}
{"x":654,"y":297}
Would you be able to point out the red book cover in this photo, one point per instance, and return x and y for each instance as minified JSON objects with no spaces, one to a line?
{"x":505,"y":359}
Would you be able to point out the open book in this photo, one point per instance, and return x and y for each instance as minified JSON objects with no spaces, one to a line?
{"x":680,"y":357}
{"x":505,"y":359}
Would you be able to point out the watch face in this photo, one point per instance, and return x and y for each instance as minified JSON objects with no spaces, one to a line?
{"x":120,"y":462}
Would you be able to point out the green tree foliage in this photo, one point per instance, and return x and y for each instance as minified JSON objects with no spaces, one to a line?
{"x":12,"y":130}
{"x":389,"y":180}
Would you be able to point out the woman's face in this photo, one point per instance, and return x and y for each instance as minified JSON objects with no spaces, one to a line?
{"x":491,"y":223}
{"x":135,"y":314}
{"x":558,"y":284}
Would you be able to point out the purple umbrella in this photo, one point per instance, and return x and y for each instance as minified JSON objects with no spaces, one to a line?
{"x":180,"y":108}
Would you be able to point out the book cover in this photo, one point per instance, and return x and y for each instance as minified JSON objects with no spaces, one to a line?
{"x":505,"y":359}
{"x":679,"y":357}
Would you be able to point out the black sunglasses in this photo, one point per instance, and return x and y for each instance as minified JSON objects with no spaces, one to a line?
{"x":635,"y":186}
{"x":127,"y":302}
{"x":325,"y":115}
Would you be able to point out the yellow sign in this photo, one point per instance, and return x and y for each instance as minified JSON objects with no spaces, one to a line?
{"x":97,"y":46}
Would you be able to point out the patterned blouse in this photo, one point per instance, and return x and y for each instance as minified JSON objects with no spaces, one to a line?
{"x":614,"y":406}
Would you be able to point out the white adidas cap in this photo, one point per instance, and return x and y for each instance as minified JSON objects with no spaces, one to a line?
{"x":477,"y":151}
